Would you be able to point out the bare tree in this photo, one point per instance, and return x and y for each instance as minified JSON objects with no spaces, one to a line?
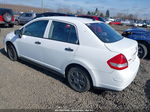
{"x":80,"y":11}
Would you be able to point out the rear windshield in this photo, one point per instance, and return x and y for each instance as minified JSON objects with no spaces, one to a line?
{"x":104,"y":32}
{"x":3,"y":11}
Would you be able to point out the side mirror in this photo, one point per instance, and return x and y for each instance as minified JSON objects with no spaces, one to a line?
{"x":18,"y":32}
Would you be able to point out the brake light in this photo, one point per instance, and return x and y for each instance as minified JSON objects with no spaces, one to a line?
{"x":118,"y":62}
{"x":13,"y":18}
{"x":1,"y":18}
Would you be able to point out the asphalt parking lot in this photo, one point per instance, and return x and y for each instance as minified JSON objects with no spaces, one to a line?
{"x":26,"y":86}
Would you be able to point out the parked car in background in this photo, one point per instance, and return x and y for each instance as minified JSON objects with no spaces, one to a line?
{"x":108,"y":20}
{"x":88,"y":53}
{"x":148,"y":25}
{"x":48,"y":14}
{"x":16,"y":15}
{"x":127,"y":22}
{"x":142,"y":36}
{"x":7,"y":17}
{"x":102,"y":19}
{"x":25,"y":17}
{"x":116,"y":22}
{"x":138,"y":24}
{"x":92,"y":17}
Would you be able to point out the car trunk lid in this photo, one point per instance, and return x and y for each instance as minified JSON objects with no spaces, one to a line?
{"x":128,"y":47}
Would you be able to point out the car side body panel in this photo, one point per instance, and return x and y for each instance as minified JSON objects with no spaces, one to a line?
{"x":90,"y":52}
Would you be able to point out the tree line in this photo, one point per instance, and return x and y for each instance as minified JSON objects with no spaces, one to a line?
{"x":97,"y":12}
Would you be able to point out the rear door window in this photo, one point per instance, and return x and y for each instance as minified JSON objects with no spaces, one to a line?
{"x":63,"y":32}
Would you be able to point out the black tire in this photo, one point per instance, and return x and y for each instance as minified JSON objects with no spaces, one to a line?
{"x":78,"y":79}
{"x":11,"y":25}
{"x":11,"y":52}
{"x":7,"y":17}
{"x":142,"y":50}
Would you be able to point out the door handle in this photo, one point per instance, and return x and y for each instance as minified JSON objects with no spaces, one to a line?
{"x":37,"y":42}
{"x":69,"y":49}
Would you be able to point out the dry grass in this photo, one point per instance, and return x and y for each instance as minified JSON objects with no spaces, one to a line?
{"x":21,"y":8}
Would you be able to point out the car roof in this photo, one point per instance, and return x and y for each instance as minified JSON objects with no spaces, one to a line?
{"x":87,"y":15}
{"x":72,"y":19}
{"x":138,"y":29}
{"x":5,"y":9}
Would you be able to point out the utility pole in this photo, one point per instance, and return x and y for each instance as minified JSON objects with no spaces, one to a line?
{"x":42,"y":5}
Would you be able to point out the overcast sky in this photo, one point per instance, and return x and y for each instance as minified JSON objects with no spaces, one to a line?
{"x":139,"y":7}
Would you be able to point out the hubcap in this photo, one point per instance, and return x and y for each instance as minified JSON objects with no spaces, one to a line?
{"x":78,"y":80}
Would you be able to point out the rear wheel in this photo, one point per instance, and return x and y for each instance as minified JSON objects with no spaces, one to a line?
{"x":142,"y":50}
{"x":11,"y":52}
{"x":11,"y":25}
{"x":78,"y":79}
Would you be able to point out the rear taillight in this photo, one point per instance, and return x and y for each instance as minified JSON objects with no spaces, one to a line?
{"x":13,"y":18}
{"x":118,"y":62}
{"x":1,"y":18}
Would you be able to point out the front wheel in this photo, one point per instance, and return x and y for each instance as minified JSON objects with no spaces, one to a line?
{"x":11,"y":52}
{"x":142,"y":50}
{"x":78,"y":79}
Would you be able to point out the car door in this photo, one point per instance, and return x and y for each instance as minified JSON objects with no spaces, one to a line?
{"x":30,"y":44}
{"x":61,"y":44}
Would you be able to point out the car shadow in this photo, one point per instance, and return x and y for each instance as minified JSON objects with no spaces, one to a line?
{"x":52,"y":74}
{"x":2,"y":51}
{"x":147,"y":92}
{"x":148,"y":56}
{"x":40,"y":69}
{"x":3,"y":26}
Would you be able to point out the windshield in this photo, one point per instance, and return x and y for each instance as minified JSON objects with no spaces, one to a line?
{"x":28,"y":15}
{"x":104,"y":32}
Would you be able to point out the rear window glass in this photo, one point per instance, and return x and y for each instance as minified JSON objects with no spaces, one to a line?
{"x":3,"y":11}
{"x":104,"y":32}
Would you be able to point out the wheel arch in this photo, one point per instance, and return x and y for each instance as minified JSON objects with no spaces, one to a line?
{"x":145,"y":43}
{"x":83,"y":67}
{"x":9,"y":42}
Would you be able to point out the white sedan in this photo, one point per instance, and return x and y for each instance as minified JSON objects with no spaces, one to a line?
{"x":88,"y":53}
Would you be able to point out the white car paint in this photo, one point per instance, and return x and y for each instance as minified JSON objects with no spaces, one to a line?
{"x":109,"y":20}
{"x":91,"y":53}
{"x":138,"y":24}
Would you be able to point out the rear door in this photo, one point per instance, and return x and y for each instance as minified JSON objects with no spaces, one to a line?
{"x":61,"y":44}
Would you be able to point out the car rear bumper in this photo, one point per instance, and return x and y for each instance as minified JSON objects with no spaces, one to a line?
{"x":2,"y":22}
{"x":117,"y":80}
